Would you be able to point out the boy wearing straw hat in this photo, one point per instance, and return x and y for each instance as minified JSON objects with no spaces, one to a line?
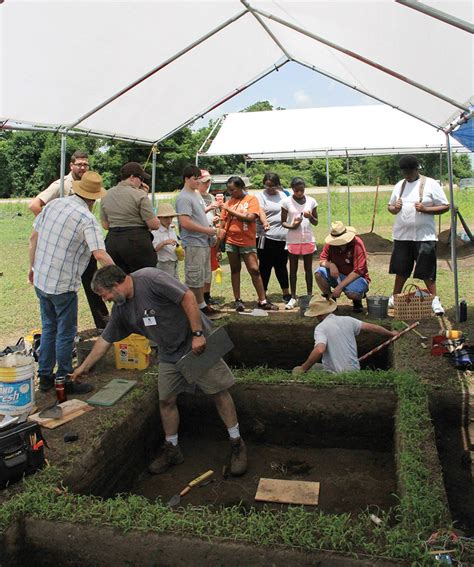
{"x":165,"y":241}
{"x":343,"y":265}
{"x":335,"y":339}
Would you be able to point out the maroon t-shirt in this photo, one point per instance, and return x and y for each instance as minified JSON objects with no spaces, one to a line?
{"x":349,"y":258}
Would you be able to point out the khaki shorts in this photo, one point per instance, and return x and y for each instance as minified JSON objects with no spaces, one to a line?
{"x":197,"y":266}
{"x":171,"y":382}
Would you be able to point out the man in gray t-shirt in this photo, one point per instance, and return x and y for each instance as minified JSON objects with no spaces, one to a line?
{"x":195,"y":233}
{"x":152,"y":303}
{"x":335,"y":339}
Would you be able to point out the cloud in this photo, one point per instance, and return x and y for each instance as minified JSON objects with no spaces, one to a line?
{"x":302,"y":99}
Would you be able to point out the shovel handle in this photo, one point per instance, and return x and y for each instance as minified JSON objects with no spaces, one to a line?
{"x":201,"y":478}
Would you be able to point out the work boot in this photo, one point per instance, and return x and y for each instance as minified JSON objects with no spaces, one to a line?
{"x":170,"y":457}
{"x":46,"y":382}
{"x":238,"y":457}
{"x":357,"y":306}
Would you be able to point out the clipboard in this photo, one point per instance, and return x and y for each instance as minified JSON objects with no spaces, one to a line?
{"x":218,"y":344}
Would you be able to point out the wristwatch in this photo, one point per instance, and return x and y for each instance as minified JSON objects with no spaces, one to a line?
{"x":197,"y":333}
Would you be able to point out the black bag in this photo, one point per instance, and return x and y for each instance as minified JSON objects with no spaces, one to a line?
{"x":21,"y":451}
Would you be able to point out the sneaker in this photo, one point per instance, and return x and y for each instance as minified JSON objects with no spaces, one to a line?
{"x":291,"y":303}
{"x":436,"y":306}
{"x":357,"y":306}
{"x":286,"y":297}
{"x":208,"y":310}
{"x":267,"y":306}
{"x":239,"y":305}
{"x":212,"y":301}
{"x":46,"y":383}
{"x":170,"y":457}
{"x":391,"y":304}
{"x":238,"y":457}
{"x":78,"y":388}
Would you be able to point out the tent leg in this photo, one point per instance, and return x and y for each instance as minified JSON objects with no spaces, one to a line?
{"x":453,"y":227}
{"x":348,"y":191}
{"x":329,"y":192}
{"x":63,"y":164}
{"x":153,"y":178}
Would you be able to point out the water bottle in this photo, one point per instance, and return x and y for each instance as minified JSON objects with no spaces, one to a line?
{"x":462,"y":311}
{"x":218,"y":275}
{"x":179,"y":252}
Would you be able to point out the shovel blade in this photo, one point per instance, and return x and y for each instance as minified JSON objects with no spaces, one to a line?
{"x":174,"y":501}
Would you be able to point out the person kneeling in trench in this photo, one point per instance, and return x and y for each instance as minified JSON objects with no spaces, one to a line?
{"x":335,"y":339}
{"x":153,"y":304}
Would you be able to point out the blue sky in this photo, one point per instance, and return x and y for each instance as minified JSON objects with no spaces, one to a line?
{"x":293,"y":86}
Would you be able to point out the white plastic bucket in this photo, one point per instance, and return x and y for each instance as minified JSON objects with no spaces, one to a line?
{"x":17,"y":392}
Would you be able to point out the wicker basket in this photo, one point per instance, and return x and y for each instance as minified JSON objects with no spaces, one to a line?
{"x":412,"y":304}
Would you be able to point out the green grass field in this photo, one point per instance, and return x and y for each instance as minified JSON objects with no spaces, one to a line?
{"x":19,"y":311}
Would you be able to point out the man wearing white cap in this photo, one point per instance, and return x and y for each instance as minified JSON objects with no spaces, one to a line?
{"x":343,"y":265}
{"x":335,"y":339}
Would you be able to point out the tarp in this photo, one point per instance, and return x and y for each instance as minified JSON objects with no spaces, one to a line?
{"x":61,"y":60}
{"x":465,"y":134}
{"x":311,"y":132}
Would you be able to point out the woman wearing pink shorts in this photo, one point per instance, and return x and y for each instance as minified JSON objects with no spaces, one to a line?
{"x":299,"y":213}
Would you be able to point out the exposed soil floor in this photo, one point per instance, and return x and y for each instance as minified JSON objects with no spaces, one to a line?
{"x":350,"y":480}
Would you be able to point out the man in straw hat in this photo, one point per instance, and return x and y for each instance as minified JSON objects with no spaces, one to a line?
{"x":65,"y":235}
{"x":335,"y":339}
{"x":165,"y":241}
{"x":343,"y":265}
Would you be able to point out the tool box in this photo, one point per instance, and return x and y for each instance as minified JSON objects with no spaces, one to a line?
{"x":21,"y":451}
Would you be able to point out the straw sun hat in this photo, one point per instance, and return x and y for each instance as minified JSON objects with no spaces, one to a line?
{"x":89,"y":186}
{"x":340,"y":234}
{"x":320,"y":306}
{"x":166,"y":210}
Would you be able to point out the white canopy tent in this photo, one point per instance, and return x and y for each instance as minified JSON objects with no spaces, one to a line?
{"x":318,"y":132}
{"x":129,"y":69}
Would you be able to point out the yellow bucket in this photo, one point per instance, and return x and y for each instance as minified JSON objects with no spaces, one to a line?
{"x":133,"y":353}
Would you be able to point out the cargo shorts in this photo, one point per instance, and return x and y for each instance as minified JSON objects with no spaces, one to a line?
{"x":197,"y":266}
{"x":171,"y":382}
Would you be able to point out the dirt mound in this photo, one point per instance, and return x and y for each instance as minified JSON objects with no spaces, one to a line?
{"x":463,"y":248}
{"x":376,"y":244}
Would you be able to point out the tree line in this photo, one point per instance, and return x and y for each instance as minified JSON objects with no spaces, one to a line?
{"x":30,"y":161}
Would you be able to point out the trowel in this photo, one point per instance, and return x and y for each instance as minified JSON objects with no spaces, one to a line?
{"x":51,"y":412}
{"x":176,"y":499}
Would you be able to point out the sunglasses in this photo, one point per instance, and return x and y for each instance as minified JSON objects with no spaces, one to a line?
{"x":140,"y":177}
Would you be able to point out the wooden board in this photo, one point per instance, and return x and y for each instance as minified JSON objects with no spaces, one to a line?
{"x":111,"y":392}
{"x":288,"y":491}
{"x":71,"y":410}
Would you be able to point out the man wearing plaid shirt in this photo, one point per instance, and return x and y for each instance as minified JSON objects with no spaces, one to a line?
{"x":64,"y":236}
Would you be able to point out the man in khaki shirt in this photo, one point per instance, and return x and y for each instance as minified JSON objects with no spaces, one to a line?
{"x":126,"y":212}
{"x":78,"y":166}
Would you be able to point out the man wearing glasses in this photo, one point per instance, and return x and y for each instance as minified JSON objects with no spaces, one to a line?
{"x":78,"y":166}
{"x":126,"y":212}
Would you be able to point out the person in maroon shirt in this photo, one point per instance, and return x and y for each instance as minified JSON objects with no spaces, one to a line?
{"x":343,"y":266}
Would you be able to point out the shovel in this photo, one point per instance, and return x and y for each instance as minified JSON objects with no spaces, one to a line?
{"x":176,"y":499}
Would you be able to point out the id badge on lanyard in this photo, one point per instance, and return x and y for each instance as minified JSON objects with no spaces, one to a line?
{"x":149,"y":318}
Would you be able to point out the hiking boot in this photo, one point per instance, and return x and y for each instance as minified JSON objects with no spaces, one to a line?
{"x":291,"y":303}
{"x":357,"y":306}
{"x":46,"y":382}
{"x":78,"y":388}
{"x":267,"y":306}
{"x":209,"y":311}
{"x":238,"y":457}
{"x":436,"y":306}
{"x":239,"y":305}
{"x":170,"y":457}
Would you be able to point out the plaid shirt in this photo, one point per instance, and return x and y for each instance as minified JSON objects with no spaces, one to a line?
{"x":67,"y":234}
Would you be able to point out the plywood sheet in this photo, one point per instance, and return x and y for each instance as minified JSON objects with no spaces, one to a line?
{"x":288,"y":491}
{"x":71,"y":410}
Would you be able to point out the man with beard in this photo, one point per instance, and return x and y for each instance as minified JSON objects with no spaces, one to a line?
{"x":152,"y":303}
{"x":78,"y":166}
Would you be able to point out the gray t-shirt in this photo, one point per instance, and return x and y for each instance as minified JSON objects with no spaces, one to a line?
{"x":338,"y":334}
{"x":271,"y":204}
{"x":190,"y":203}
{"x":157,"y":298}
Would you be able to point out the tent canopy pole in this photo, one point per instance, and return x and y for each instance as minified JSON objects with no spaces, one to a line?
{"x":328,"y":190}
{"x":63,"y":164}
{"x":153,"y":178}
{"x":348,"y":191}
{"x":437,"y":14}
{"x":453,"y":211}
